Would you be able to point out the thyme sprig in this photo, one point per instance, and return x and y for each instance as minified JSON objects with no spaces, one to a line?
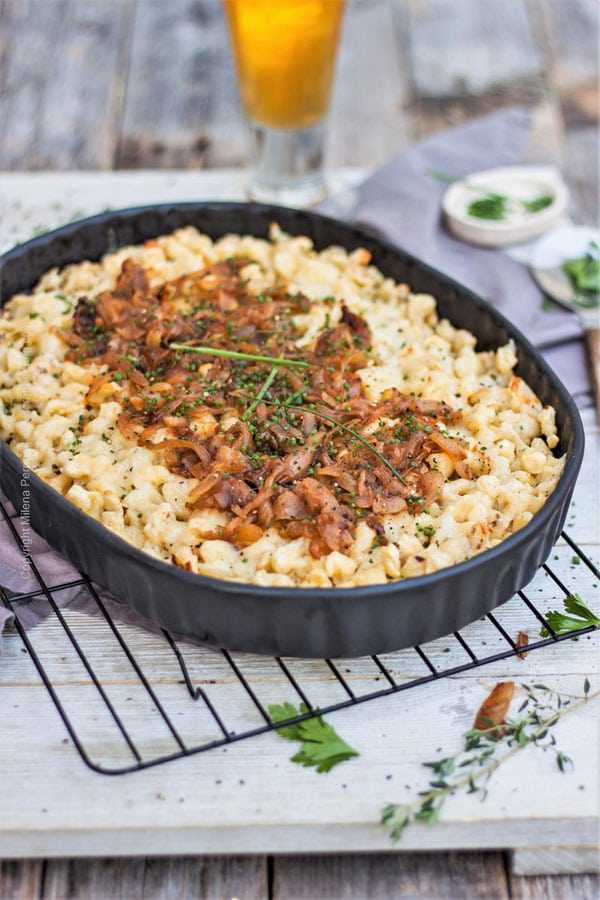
{"x":359,"y":437}
{"x":471,"y":769}
{"x":235,"y":354}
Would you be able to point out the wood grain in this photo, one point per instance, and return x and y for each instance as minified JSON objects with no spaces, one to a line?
{"x":181,"y":106}
{"x":343,"y":877}
{"x":448,"y":876}
{"x":80,"y":87}
{"x":572,"y":33}
{"x":368,"y":118}
{"x":467,"y":59}
{"x":143,"y":83}
{"x":21,"y":879}
{"x":463,"y":48}
{"x":555,"y":887}
{"x":63,"y":70}
{"x":580,"y":157}
{"x":556,"y":860}
{"x":177,"y":878}
{"x":567,"y":35}
{"x":200,"y":804}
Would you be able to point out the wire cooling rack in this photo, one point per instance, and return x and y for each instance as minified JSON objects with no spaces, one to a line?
{"x":174,"y":683}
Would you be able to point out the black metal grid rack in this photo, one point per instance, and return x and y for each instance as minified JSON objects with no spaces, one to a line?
{"x":198,"y":694}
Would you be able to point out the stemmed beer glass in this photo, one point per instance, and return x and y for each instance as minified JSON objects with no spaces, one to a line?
{"x":285,"y":56}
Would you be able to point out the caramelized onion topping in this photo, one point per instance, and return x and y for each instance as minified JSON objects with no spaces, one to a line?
{"x":300,"y":449}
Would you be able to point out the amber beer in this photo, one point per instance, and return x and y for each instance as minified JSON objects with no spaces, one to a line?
{"x":285,"y":53}
{"x":285,"y":56}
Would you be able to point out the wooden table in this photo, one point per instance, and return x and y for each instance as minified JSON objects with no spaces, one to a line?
{"x":252,"y":800}
{"x":101,"y":84}
{"x":115,"y":83}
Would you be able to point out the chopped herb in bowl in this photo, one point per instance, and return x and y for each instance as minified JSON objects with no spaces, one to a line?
{"x":492,"y":205}
{"x":497,"y":206}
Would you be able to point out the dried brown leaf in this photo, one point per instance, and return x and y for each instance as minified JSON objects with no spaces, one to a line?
{"x":522,"y":641}
{"x":495,"y":706}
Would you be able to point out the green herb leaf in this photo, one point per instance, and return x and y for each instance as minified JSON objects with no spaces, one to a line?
{"x":575,"y":617}
{"x":322,"y":748}
{"x":538,"y":203}
{"x":562,"y":760}
{"x":584,"y":271}
{"x":486,"y":749}
{"x":396,"y":817}
{"x":492,"y":206}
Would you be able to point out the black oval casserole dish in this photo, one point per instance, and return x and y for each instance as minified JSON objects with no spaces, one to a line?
{"x":309,"y":622}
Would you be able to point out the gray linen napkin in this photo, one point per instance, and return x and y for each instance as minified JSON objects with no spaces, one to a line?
{"x":401,"y":202}
{"x":17,"y":577}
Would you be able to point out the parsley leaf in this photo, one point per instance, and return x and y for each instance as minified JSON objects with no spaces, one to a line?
{"x":492,"y":206}
{"x":579,"y":617}
{"x":538,"y":203}
{"x":321,"y":746}
{"x":584,"y":275}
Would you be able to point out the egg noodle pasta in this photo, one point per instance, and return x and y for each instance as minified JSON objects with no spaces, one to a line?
{"x":386,"y":447}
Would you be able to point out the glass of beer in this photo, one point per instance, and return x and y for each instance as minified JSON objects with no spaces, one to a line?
{"x":285,"y":55}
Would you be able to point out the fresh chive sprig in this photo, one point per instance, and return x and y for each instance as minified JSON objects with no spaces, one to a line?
{"x":235,"y":354}
{"x":261,"y":393}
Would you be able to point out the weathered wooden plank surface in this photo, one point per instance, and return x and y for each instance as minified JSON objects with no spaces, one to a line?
{"x":556,"y":887}
{"x":62,"y":82}
{"x":209,"y":878}
{"x":181,"y":107}
{"x":200,"y":804}
{"x":60,"y":127}
{"x":439,"y":876}
{"x":33,"y":202}
{"x":463,"y":48}
{"x":567,"y":34}
{"x":468,"y":59}
{"x":560,"y":860}
{"x":368,"y":120}
{"x":572,"y":32}
{"x":434,"y":876}
{"x":137,"y":83}
{"x":21,"y":879}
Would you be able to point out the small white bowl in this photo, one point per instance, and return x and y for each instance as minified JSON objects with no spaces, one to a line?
{"x":516,"y":182}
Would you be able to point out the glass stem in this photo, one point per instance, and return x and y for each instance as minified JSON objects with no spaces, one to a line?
{"x":288,"y":165}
